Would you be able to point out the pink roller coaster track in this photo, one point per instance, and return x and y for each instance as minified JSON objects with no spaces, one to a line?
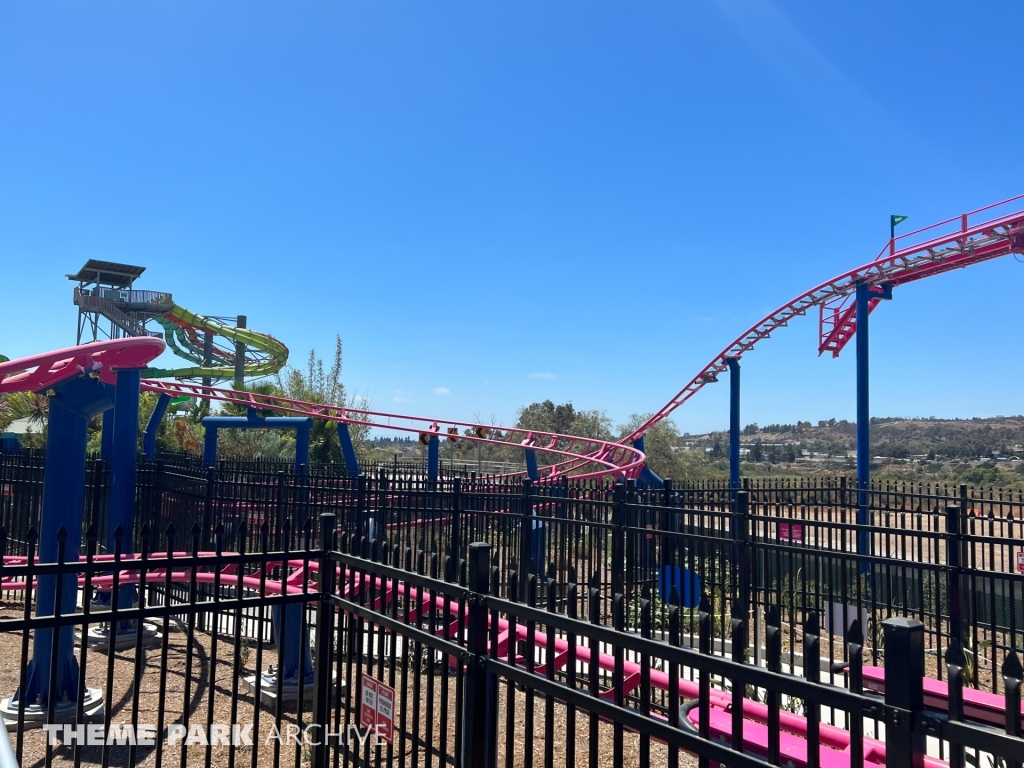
{"x":950,"y":244}
{"x":599,"y":458}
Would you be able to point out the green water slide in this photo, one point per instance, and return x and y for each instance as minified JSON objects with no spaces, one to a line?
{"x":186,"y":332}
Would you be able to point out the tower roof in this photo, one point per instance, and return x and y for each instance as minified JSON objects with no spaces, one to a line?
{"x":107,"y":273}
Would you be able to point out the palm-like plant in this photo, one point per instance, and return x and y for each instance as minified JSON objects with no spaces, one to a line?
{"x":31,"y":406}
{"x":6,"y":412}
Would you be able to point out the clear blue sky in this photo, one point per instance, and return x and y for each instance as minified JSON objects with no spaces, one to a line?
{"x":496,"y":203}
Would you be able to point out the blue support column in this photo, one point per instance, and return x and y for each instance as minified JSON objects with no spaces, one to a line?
{"x":432,"y":459}
{"x":73,"y":403}
{"x":293,"y":637}
{"x":301,"y":424}
{"x":302,"y":446}
{"x":149,"y":436}
{"x":107,"y":433}
{"x":648,"y":477}
{"x":863,"y":423}
{"x":209,"y":443}
{"x":348,"y":450}
{"x":121,"y":506}
{"x":734,"y":423}
{"x":531,"y":465}
{"x":537,"y":526}
{"x":124,"y":459}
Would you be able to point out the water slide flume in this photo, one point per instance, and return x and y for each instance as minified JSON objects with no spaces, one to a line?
{"x":185,"y":332}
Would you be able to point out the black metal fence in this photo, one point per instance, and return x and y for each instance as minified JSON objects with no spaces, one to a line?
{"x":948,"y":557}
{"x":488,"y":667}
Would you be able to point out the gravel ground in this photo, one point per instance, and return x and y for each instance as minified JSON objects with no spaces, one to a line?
{"x":215,"y":683}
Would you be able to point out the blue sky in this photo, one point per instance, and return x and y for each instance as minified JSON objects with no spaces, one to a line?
{"x":500,"y":203}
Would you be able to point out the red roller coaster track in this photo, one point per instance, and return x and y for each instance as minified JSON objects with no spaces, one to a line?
{"x":950,"y":244}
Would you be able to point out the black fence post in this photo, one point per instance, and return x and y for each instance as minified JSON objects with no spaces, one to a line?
{"x":362,"y":521}
{"x":157,"y":511}
{"x":741,"y":554}
{"x":1013,"y":676}
{"x":323,"y":664}
{"x":904,"y":691}
{"x":954,"y":549}
{"x":525,"y":538}
{"x":279,"y":514}
{"x":211,"y":487}
{"x":455,"y":535}
{"x":668,"y":525}
{"x":480,"y":707}
{"x":619,"y":535}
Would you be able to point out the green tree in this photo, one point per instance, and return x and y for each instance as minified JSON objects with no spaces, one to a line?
{"x":564,"y":419}
{"x":35,"y":408}
{"x":757,"y":452}
{"x":6,"y":412}
{"x":315,"y":385}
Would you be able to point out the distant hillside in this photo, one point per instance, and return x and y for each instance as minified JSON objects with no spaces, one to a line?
{"x":890,"y":437}
{"x":976,"y":451}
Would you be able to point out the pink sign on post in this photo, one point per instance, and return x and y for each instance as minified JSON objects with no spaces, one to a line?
{"x":791,"y":531}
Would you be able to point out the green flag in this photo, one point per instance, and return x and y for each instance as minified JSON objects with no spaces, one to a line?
{"x":894,"y":220}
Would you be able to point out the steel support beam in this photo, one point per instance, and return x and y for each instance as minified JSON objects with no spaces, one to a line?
{"x":348,"y":449}
{"x":863,"y":423}
{"x":734,"y":423}
{"x":73,"y":403}
{"x":149,"y":436}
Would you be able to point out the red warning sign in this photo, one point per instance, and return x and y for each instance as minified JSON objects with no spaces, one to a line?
{"x":377,"y":708}
{"x":1020,"y":561}
{"x":368,"y":706}
{"x":791,"y":531}
{"x":386,"y":713}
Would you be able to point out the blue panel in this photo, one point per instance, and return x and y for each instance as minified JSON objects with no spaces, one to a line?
{"x":686,"y":583}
